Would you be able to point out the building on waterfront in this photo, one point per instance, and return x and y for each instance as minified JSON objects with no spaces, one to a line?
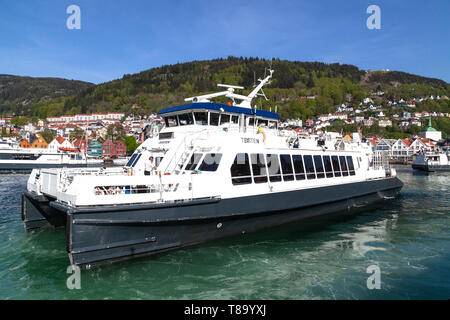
{"x":431,"y":133}
{"x":39,"y":143}
{"x":59,"y":142}
{"x":95,"y":149}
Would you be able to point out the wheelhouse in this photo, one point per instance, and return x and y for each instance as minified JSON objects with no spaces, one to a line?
{"x":218,"y":115}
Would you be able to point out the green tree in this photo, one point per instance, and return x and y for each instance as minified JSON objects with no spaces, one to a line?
{"x":131,"y":144}
{"x":115,"y":132}
{"x":48,"y":135}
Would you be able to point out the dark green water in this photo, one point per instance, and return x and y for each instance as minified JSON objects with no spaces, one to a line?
{"x":408,"y":238}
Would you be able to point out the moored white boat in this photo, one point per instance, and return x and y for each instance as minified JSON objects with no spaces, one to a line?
{"x":432,"y":161}
{"x":222,"y":170}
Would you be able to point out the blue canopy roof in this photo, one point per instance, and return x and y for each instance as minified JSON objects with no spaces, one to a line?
{"x":217,"y":107}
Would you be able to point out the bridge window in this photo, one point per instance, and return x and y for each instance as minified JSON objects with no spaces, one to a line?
{"x":351,"y":167}
{"x":214,"y":119}
{"x":235,"y":119}
{"x":193,"y":161}
{"x":240,"y":170}
{"x":273,"y":165}
{"x":263,"y":123}
{"x":251,"y":121}
{"x":185,"y":119}
{"x":224,"y":118}
{"x":336,"y":166}
{"x":298,"y":167}
{"x":210,"y":162}
{"x":259,"y":168}
{"x":201,"y":118}
{"x":343,"y":166}
{"x":286,"y":167}
{"x":171,"y":121}
{"x":309,"y":165}
{"x":328,"y":166}
{"x":272,"y":124}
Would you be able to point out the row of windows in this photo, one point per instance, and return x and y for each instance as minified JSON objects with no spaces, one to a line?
{"x":285,"y":167}
{"x":213,"y":118}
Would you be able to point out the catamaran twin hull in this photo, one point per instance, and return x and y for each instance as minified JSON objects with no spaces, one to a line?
{"x":100,"y":234}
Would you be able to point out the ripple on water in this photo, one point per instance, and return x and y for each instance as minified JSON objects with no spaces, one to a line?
{"x":408,"y":239}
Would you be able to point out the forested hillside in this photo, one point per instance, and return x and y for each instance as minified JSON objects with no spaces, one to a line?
{"x":18,"y":94}
{"x":327,"y":85}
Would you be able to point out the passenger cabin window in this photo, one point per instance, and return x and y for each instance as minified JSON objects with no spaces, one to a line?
{"x":235,"y":119}
{"x":272,"y":124}
{"x":132,"y":159}
{"x":328,"y":166}
{"x":171,"y":121}
{"x":298,"y":167}
{"x":193,"y":161}
{"x":224,"y":118}
{"x":286,"y":167}
{"x":214,"y":119}
{"x":201,"y":118}
{"x":273,"y":166}
{"x":259,"y":168}
{"x":336,"y":166}
{"x":185,"y":119}
{"x":210,"y":162}
{"x":343,"y":166}
{"x":351,"y":167}
{"x":251,"y":121}
{"x":319,"y":167}
{"x":309,"y":166}
{"x":240,"y":170}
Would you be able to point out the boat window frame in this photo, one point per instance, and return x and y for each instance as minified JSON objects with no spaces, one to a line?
{"x":310,"y":175}
{"x":299,"y":175}
{"x":289,"y":176}
{"x":193,"y":158}
{"x":318,"y":164}
{"x":213,"y":167}
{"x":351,"y":165}
{"x":241,"y":179}
{"x":190,"y":115}
{"x":328,"y":173}
{"x":166,"y":121}
{"x":261,"y":177}
{"x":337,"y":173}
{"x":221,"y":117}
{"x":346,"y":172}
{"x":204,"y":123}
{"x":210,"y":118}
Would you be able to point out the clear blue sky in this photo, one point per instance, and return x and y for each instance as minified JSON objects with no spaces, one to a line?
{"x":119,"y":36}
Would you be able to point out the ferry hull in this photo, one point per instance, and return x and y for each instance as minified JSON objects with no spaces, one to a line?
{"x":100,"y":235}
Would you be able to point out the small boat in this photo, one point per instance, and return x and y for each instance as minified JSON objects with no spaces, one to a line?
{"x":432,"y":161}
{"x":216,"y":170}
{"x":16,"y":159}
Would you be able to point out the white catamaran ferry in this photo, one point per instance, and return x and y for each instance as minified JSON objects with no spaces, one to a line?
{"x":16,"y":159}
{"x":432,"y":161}
{"x":218,"y":170}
